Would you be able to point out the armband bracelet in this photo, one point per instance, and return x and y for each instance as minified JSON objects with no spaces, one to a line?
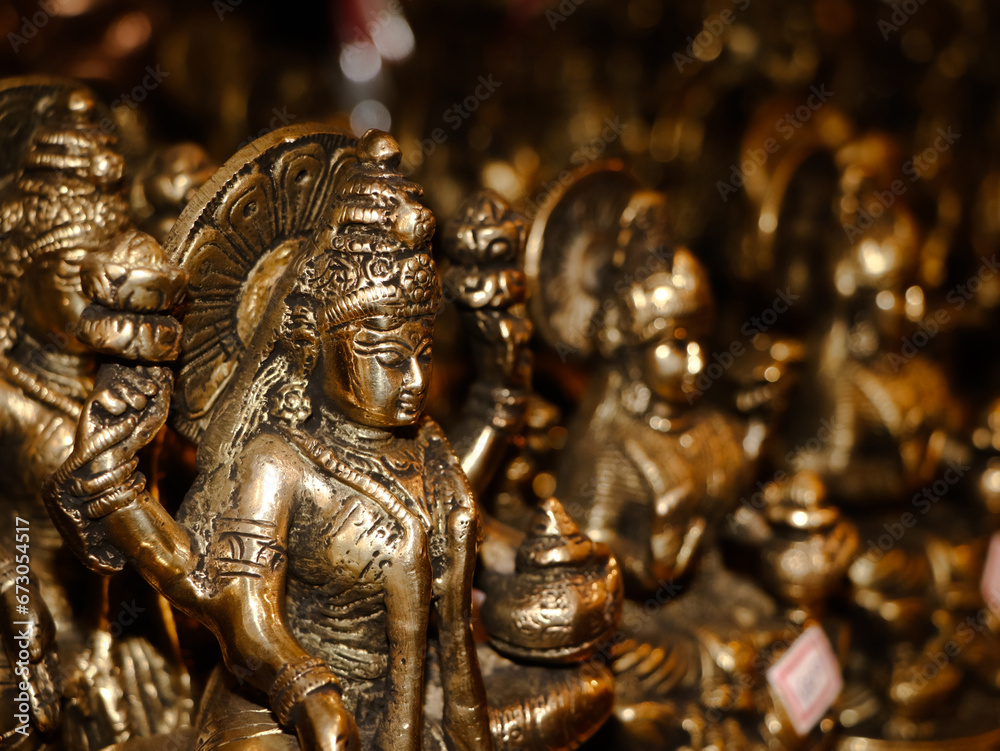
{"x":295,"y":682}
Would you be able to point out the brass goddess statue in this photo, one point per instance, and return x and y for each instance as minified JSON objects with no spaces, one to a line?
{"x":652,"y":470}
{"x":331,"y":535}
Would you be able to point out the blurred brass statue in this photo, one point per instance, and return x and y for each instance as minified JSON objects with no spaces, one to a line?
{"x":484,"y":244}
{"x":165,"y":183}
{"x":893,"y":430}
{"x":896,"y":423}
{"x":893,"y":421}
{"x":330,"y":520}
{"x":651,"y":471}
{"x":61,"y":198}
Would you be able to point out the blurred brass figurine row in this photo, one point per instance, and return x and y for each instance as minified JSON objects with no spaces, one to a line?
{"x":213,"y":412}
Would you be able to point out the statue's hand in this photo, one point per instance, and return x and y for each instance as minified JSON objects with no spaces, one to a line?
{"x":711,"y":730}
{"x":26,"y":625}
{"x":323,"y":724}
{"x":132,"y":273}
{"x":123,"y":413}
{"x":501,"y":345}
{"x":486,"y":288}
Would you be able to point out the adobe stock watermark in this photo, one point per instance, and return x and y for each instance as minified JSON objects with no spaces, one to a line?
{"x":930,"y":325}
{"x":585,"y":154}
{"x":454,"y":116}
{"x":965,"y":634}
{"x":712,"y":28}
{"x":902,"y":11}
{"x":922,"y":502}
{"x":30,"y":25}
{"x":53,"y":344}
{"x":914,"y":168}
{"x":751,"y":328}
{"x":138,"y":93}
{"x":387,"y":16}
{"x":222,"y":7}
{"x":785,"y":126}
{"x":563,"y":11}
{"x":127,"y":615}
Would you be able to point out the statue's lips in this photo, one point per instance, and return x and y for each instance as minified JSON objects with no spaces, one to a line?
{"x":410,"y":403}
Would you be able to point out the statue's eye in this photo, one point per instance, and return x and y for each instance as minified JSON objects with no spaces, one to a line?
{"x":390,"y":359}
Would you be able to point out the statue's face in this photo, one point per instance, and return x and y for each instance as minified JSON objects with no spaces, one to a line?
{"x":377,"y":371}
{"x":671,"y":369}
{"x":490,"y":239}
{"x":51,"y":298}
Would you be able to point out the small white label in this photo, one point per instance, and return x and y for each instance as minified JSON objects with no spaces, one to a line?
{"x":991,"y":575}
{"x":807,"y":679}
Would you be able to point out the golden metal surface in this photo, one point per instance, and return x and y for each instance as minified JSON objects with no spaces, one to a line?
{"x":711,"y":298}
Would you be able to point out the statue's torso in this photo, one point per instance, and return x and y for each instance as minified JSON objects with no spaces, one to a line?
{"x":340,"y":545}
{"x":630,"y":482}
{"x":35,"y":439}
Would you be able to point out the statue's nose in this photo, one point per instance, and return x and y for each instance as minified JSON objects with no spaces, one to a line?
{"x":414,"y":378}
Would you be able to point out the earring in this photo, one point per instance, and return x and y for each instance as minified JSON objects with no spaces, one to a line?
{"x":291,"y":404}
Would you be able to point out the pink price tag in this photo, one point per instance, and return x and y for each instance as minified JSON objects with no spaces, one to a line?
{"x":991,"y":576}
{"x":807,"y":679}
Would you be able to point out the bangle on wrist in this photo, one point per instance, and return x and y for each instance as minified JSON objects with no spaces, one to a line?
{"x":115,"y":498}
{"x":295,"y":682}
{"x":99,"y":484}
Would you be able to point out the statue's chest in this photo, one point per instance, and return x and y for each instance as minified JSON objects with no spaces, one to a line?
{"x":708,"y":456}
{"x":348,"y":533}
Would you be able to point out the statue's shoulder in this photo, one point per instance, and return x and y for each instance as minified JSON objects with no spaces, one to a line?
{"x":271,"y":452}
{"x":440,"y":460}
{"x":435,"y":442}
{"x":257,"y":483}
{"x":269,"y":445}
